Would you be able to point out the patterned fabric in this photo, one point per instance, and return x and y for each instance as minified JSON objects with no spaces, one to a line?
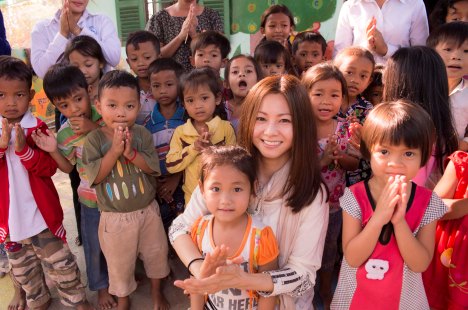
{"x":446,"y":278}
{"x":333,"y":175}
{"x":162,"y":130}
{"x":45,"y":250}
{"x":127,"y":188}
{"x":147,"y":103}
{"x":412,"y":291}
{"x":360,"y":109}
{"x":71,"y":147}
{"x":167,"y":27}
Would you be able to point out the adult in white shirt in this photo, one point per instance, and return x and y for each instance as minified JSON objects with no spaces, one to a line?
{"x":50,"y":37}
{"x":382,"y":26}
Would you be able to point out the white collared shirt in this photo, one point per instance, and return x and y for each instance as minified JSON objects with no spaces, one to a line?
{"x":459,"y":105}
{"x":402,"y":23}
{"x":47,"y":44}
{"x":24,"y":218}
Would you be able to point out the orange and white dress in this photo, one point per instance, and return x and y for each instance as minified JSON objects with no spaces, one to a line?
{"x":258,"y":247}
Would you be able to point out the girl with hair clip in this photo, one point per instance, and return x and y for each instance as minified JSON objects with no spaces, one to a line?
{"x":50,"y":37}
{"x":274,"y":59}
{"x":242,"y":72}
{"x":277,"y":128}
{"x":418,"y":74}
{"x":277,"y":24}
{"x":389,"y":222}
{"x":85,"y":53}
{"x":447,"y":11}
{"x":327,"y":87}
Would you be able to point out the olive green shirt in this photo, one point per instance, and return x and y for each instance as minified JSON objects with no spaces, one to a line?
{"x":127,"y":188}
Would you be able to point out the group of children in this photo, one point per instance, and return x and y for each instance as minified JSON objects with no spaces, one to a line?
{"x":137,"y":145}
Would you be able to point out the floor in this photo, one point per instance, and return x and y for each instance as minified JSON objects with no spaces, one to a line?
{"x":140,"y":299}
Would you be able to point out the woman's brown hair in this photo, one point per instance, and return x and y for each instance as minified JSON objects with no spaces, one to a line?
{"x":304,"y":181}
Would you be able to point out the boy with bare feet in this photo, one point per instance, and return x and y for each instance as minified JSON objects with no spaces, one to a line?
{"x":120,"y":161}
{"x":30,"y":212}
{"x":67,"y":89}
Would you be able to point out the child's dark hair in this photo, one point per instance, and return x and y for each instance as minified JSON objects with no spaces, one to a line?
{"x":269,"y":52}
{"x":398,"y":122}
{"x":86,"y":46}
{"x":232,"y":155}
{"x":309,"y":36}
{"x":12,"y":68}
{"x":116,"y":79}
{"x":356,"y":51}
{"x":274,"y":9}
{"x":455,"y":33}
{"x":257,"y":68}
{"x":203,"y":76}
{"x":61,"y":80}
{"x":165,"y":64}
{"x":211,"y":37}
{"x":376,"y":80}
{"x":439,"y":13}
{"x":322,"y":72}
{"x":142,"y":36}
{"x":418,"y":74}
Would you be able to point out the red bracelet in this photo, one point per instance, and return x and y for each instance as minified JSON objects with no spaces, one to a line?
{"x":134,"y":156}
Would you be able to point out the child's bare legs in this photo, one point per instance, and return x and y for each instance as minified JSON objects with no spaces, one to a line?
{"x":18,"y":302}
{"x":160,"y":302}
{"x":123,"y":303}
{"x":105,"y":300}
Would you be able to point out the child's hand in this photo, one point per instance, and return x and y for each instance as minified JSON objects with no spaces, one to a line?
{"x":355,"y":130}
{"x":118,"y":141}
{"x":45,"y":142}
{"x":82,"y":125}
{"x":203,"y":141}
{"x":386,"y":204}
{"x":129,"y":151}
{"x":20,"y":140}
{"x":352,"y":118}
{"x":331,"y":153}
{"x":6,"y":134}
{"x":213,"y":260}
{"x":167,"y":186}
{"x":400,"y":210}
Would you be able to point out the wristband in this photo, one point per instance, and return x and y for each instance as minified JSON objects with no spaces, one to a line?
{"x":134,"y":156}
{"x":193,"y":261}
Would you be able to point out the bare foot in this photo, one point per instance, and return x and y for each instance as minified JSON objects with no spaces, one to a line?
{"x":18,"y":302}
{"x":123,"y":303}
{"x":106,"y":300}
{"x":160,"y":302}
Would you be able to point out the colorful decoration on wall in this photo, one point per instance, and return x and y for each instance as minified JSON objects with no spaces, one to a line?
{"x":246,"y":13}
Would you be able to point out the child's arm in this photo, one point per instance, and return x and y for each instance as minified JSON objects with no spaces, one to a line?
{"x":358,"y":242}
{"x":416,"y":251}
{"x":179,"y":156}
{"x":48,"y":143}
{"x":445,"y":188}
{"x":348,"y":162}
{"x":111,"y":157}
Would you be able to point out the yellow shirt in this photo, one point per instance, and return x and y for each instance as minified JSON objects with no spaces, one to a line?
{"x":182,"y":155}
